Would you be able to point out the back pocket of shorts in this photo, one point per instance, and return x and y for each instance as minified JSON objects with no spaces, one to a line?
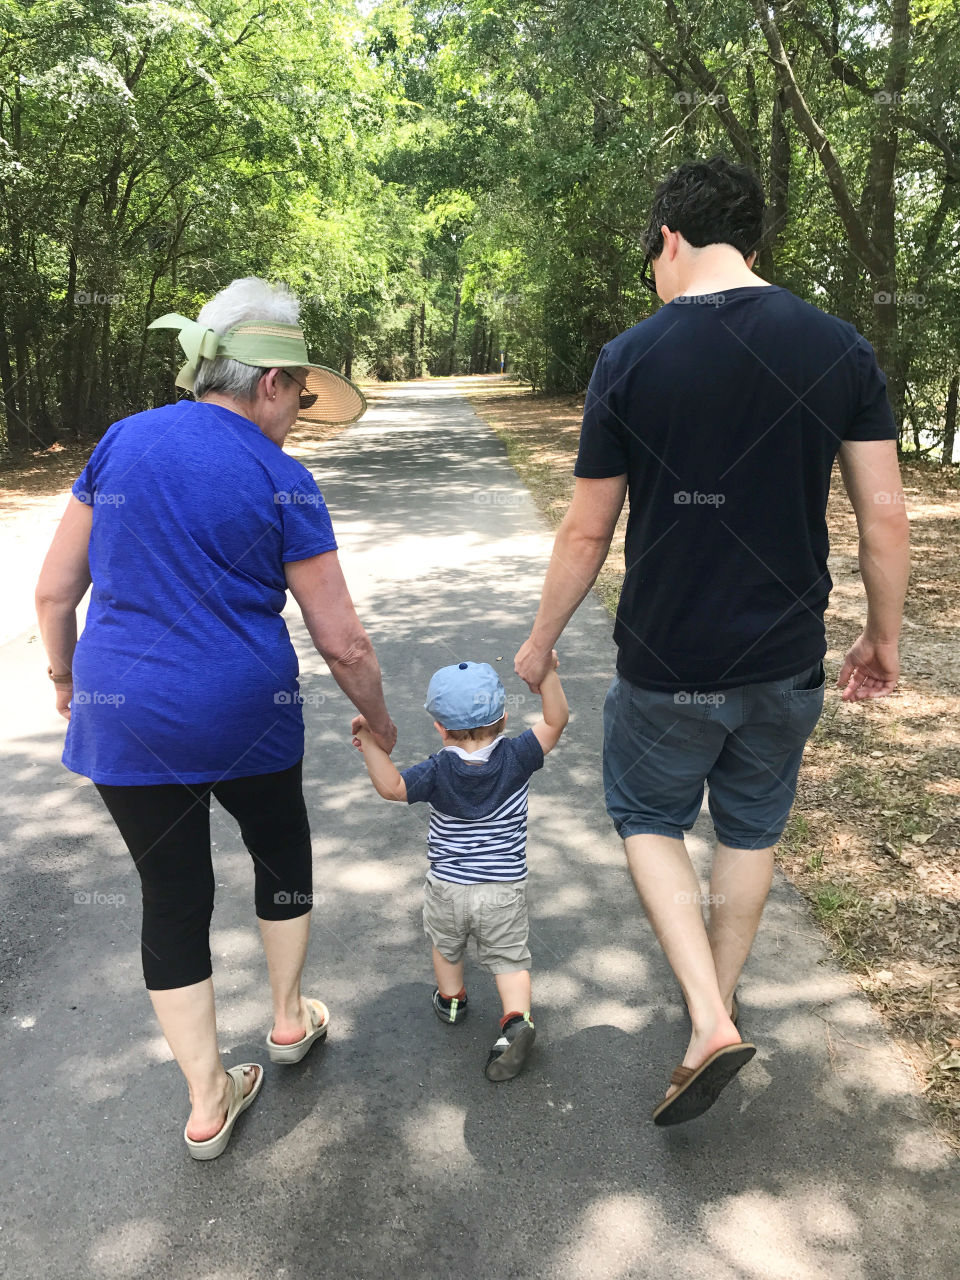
{"x":802,"y":708}
{"x":669,"y":718}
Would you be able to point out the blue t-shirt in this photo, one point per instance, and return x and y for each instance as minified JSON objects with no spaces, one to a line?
{"x":725,"y":412}
{"x":185,"y":671}
{"x":478,"y":812}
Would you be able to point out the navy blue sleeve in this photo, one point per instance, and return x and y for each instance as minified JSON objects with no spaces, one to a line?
{"x":420,"y":780}
{"x":603,"y":443}
{"x":528,"y":752}
{"x":873,"y":418}
{"x":307,"y":529}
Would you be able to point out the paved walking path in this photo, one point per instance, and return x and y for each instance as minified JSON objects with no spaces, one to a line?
{"x":387,"y":1154}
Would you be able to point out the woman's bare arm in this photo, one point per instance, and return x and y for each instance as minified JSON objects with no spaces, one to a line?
{"x":62,"y":584}
{"x":319,"y":588}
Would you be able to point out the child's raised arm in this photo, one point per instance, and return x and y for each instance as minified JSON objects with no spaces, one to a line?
{"x":556,"y":713}
{"x":384,"y":774}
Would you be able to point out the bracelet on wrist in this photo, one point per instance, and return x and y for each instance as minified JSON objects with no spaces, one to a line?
{"x":65,"y":678}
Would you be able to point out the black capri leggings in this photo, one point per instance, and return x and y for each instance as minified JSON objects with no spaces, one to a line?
{"x":167,"y":830}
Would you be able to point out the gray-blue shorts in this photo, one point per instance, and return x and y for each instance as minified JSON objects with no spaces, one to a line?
{"x":745,"y":743}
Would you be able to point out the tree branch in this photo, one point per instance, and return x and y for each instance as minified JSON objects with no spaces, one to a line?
{"x":860,"y":240}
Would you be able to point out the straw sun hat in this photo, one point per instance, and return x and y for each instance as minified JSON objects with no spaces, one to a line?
{"x":268,"y":345}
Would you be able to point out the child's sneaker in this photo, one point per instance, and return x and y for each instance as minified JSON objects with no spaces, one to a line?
{"x":450,"y":1010}
{"x":508,"y":1055}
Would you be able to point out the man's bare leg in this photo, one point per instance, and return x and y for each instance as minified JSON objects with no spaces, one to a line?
{"x":739,"y":885}
{"x":670,"y":894}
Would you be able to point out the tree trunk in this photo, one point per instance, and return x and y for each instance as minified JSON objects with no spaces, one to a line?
{"x":148,"y":315}
{"x":8,"y":383}
{"x":871,"y":228}
{"x":412,"y":346}
{"x":22,"y":434}
{"x":950,"y":423}
{"x":452,"y":364}
{"x":106,"y":399}
{"x":779,"y":183}
{"x":80,"y":408}
{"x":46,"y":429}
{"x":477,"y":345}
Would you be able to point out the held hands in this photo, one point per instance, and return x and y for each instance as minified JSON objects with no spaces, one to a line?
{"x":532,"y":664}
{"x":360,"y":729}
{"x":870,"y":669}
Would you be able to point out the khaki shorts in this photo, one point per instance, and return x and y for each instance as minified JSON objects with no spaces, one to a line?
{"x":495,"y":914}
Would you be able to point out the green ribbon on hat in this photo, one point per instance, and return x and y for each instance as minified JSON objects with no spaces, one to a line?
{"x":266,"y":345}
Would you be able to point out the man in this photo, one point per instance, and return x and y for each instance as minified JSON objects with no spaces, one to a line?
{"x":722,"y":415}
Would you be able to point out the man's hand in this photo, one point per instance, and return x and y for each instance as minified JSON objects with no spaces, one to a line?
{"x":532,"y":663}
{"x":871,"y":669}
{"x":386,"y":740}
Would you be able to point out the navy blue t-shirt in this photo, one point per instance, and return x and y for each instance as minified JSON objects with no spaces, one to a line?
{"x":478,"y":812}
{"x":726,"y":411}
{"x":185,"y":671}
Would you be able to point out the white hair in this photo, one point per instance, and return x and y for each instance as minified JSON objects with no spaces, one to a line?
{"x":244,"y":300}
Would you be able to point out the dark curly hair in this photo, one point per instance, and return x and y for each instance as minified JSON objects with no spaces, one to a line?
{"x":709,"y":202}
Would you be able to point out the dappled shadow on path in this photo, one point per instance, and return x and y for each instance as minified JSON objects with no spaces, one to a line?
{"x":389,"y":1145}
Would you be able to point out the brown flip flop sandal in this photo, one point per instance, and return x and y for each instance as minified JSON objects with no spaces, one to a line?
{"x":699,"y":1087}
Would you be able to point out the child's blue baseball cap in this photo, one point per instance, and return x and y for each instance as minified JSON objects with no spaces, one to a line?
{"x":467,"y":695}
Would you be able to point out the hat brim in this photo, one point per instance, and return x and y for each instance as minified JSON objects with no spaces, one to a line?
{"x":338,"y":401}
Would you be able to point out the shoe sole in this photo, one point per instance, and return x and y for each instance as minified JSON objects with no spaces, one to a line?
{"x":296,"y":1052}
{"x":699,"y":1095}
{"x":288,"y":1055}
{"x":510,"y":1063}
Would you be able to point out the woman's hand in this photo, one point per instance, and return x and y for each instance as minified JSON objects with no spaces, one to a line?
{"x":64,"y":694}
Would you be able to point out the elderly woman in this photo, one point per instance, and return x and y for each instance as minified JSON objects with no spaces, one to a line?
{"x":192,"y":524}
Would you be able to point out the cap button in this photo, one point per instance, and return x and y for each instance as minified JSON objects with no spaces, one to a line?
{"x":463,"y":666}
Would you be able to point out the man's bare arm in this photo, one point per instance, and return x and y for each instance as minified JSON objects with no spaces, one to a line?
{"x":871,"y":476}
{"x":579,"y":550}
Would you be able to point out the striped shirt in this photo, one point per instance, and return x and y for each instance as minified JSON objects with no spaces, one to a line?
{"x":478,"y":812}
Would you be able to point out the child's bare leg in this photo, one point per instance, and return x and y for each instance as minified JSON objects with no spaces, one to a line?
{"x":514,"y":989}
{"x":449,"y":976}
